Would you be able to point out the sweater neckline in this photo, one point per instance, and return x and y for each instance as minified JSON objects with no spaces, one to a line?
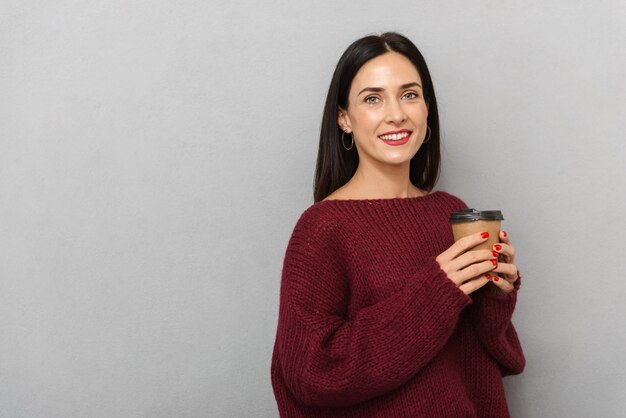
{"x":379,"y":200}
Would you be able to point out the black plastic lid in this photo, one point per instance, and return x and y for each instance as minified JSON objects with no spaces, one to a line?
{"x":468,"y":215}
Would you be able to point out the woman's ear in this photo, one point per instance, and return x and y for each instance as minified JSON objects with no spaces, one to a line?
{"x":344,"y":121}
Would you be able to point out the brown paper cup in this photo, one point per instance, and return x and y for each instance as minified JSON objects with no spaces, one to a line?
{"x":470,"y":221}
{"x":463,"y":229}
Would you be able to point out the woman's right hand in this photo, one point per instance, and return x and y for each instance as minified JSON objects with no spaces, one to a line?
{"x":468,"y":269}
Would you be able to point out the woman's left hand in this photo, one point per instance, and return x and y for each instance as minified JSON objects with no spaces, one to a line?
{"x":506,"y":266}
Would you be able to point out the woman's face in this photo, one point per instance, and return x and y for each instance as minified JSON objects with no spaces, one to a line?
{"x":386,"y":102}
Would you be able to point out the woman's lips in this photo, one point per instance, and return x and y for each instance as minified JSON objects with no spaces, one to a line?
{"x":398,"y":138}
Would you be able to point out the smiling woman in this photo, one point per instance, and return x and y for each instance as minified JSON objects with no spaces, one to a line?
{"x":388,"y":119}
{"x":381,"y":312}
{"x":381,"y":87}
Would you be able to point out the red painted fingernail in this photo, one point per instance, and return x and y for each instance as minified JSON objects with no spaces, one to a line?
{"x":485,"y":235}
{"x":496,"y":278}
{"x":495,"y":263}
{"x":498,"y":247}
{"x":504,"y":233}
{"x":495,"y":253}
{"x":487,"y":276}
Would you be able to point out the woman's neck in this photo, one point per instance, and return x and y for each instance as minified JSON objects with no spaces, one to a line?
{"x":382,"y":184}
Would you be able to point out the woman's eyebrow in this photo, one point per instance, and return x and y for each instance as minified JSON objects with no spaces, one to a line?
{"x":378,"y":89}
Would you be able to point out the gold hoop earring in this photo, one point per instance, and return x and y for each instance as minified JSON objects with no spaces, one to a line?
{"x":344,"y":145}
{"x":427,"y":127}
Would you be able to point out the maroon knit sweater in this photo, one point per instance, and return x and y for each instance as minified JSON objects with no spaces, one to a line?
{"x":370,"y":326}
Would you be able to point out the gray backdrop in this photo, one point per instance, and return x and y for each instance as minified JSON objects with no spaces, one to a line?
{"x":155,"y":156}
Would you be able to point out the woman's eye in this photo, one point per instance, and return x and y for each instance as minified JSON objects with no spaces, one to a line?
{"x":412,"y":95}
{"x":371,"y":99}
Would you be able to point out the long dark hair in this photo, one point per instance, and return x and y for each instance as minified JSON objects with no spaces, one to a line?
{"x":336,"y":165}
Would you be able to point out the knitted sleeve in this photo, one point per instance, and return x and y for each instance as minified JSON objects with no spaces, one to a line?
{"x":491,"y":316}
{"x":329,"y":360}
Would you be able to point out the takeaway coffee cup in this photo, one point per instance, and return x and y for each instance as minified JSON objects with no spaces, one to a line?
{"x":469,"y":221}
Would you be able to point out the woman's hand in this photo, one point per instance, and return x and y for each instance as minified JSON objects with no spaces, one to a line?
{"x":469,"y":270}
{"x":506,"y":266}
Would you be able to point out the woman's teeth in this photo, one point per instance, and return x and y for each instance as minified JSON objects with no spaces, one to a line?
{"x":395,"y":137}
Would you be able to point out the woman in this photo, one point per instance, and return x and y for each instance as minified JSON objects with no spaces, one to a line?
{"x":381,"y":313}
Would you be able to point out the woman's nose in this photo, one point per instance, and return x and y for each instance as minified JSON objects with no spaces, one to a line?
{"x":395,"y":112}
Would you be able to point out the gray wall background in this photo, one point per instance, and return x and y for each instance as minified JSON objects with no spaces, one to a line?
{"x":155,"y":156}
